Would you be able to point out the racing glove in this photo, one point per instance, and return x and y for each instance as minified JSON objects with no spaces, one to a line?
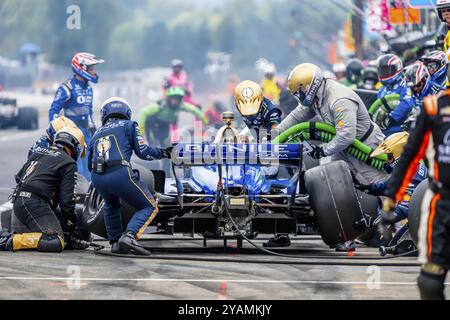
{"x":166,"y":153}
{"x":358,"y":185}
{"x":316,"y":152}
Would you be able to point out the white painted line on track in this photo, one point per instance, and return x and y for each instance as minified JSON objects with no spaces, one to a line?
{"x":20,"y":135}
{"x":6,"y":206}
{"x":205,"y":280}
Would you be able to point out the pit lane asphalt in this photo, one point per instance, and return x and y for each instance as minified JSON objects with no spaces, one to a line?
{"x":84,"y":275}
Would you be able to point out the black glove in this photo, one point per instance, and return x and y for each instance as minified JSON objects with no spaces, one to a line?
{"x":167,"y":152}
{"x":316,"y":152}
{"x":358,"y":185}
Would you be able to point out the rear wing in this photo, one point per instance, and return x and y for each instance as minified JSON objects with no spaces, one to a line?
{"x":197,"y":154}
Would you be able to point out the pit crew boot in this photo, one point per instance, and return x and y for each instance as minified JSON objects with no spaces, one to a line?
{"x":128,"y":244}
{"x":5,"y":240}
{"x":280,"y":240}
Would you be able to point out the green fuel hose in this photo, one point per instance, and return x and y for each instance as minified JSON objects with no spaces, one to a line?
{"x":323,"y":132}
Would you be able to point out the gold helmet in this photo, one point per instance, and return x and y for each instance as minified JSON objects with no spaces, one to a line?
{"x":72,"y":138}
{"x":393,"y":145}
{"x":304,"y":82}
{"x":248,"y":96}
{"x":57,"y":124}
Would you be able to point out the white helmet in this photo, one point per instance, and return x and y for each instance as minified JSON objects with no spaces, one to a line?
{"x":270,"y":68}
{"x":339,"y":67}
{"x":442,"y":4}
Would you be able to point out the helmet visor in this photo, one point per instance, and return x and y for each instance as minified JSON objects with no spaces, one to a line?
{"x":387,"y":71}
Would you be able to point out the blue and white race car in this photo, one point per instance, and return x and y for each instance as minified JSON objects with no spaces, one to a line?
{"x":234,"y":190}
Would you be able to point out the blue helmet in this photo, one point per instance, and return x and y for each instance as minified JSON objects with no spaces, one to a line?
{"x":115,"y":107}
{"x":436,"y":62}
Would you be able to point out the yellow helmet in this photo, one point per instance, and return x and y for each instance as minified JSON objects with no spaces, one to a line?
{"x":248,"y":96}
{"x":393,"y":144}
{"x":304,"y":82}
{"x":72,"y":138}
{"x":57,"y":124}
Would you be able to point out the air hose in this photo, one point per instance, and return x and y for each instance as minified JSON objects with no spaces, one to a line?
{"x":323,"y":132}
{"x":380,"y":109}
{"x":392,"y":100}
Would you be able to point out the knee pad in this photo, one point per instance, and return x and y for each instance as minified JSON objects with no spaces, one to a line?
{"x":431,"y":286}
{"x":44,"y":242}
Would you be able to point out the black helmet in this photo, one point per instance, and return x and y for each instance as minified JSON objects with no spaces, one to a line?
{"x":390,"y":68}
{"x":354,"y":70}
{"x":370,"y":74}
{"x":72,"y":138}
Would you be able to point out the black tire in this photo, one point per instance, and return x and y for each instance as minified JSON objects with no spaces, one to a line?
{"x":334,"y":201}
{"x":27,"y":118}
{"x":93,"y":219}
{"x":415,"y":209}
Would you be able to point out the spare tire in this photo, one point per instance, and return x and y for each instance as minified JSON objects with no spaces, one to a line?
{"x":335,"y":203}
{"x":415,"y":209}
{"x":27,"y":118}
{"x":92,"y":217}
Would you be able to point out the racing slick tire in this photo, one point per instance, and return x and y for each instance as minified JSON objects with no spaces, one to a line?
{"x":92,"y":216}
{"x":415,"y":209}
{"x":335,"y":202}
{"x":27,"y":118}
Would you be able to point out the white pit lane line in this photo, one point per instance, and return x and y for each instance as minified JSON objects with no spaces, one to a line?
{"x":19,"y":135}
{"x":205,"y":281}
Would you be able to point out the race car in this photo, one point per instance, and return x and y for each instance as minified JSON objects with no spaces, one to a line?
{"x":25,"y":118}
{"x":228,"y":189}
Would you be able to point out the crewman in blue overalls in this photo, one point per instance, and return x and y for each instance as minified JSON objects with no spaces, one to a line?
{"x":75,"y":96}
{"x":111,"y":149}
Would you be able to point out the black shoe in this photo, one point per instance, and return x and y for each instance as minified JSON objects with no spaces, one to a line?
{"x":6,"y":240}
{"x":346,"y":246}
{"x":280,"y":240}
{"x":116,"y":249}
{"x":128,"y":244}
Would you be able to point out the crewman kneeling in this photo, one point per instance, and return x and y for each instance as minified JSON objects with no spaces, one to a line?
{"x":46,"y":181}
{"x":109,"y":159}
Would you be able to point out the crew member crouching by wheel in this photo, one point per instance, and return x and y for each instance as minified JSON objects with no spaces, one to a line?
{"x":112,"y":176}
{"x":45,"y":181}
{"x":393,"y":147}
{"x":46,"y":140}
{"x":430,"y":138}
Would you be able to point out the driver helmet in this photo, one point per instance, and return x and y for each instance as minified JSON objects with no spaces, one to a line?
{"x":390,"y":69}
{"x":249,"y":97}
{"x":436,"y":62}
{"x":82,"y":63}
{"x":417,"y":78}
{"x":304,"y":82}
